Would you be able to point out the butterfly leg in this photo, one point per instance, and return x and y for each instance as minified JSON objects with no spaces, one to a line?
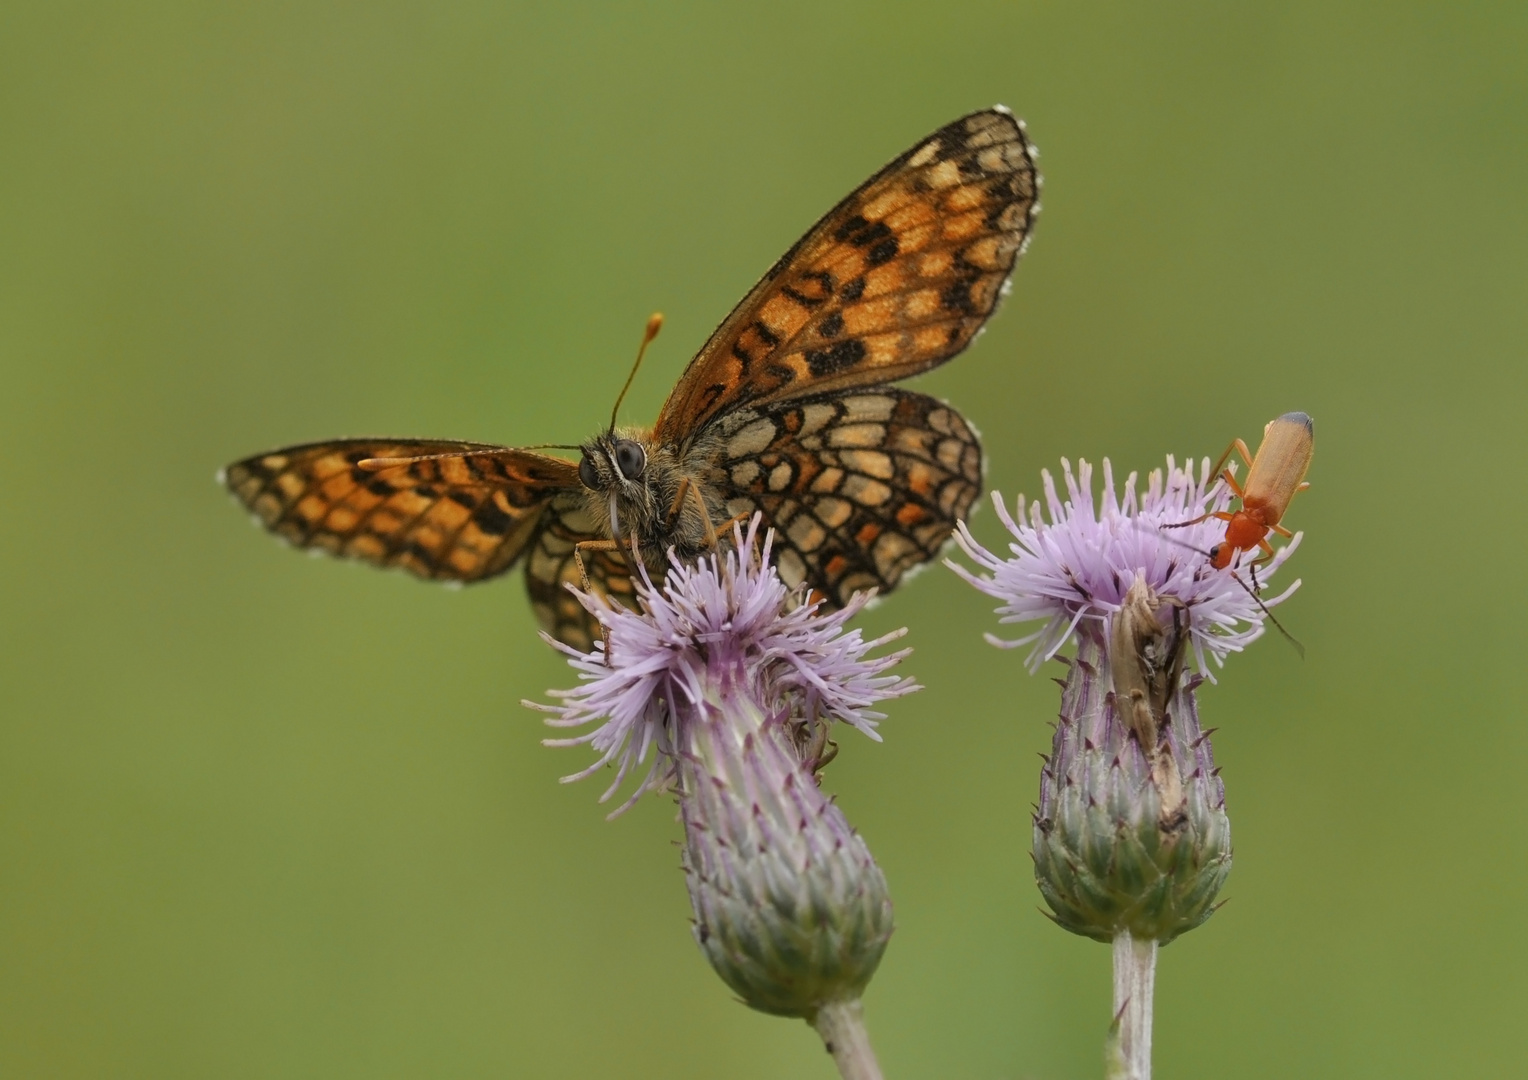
{"x":578,"y":558}
{"x":714,"y":533}
{"x":705,"y":515}
{"x":583,"y":575}
{"x":684,"y":488}
{"x":736,"y":519}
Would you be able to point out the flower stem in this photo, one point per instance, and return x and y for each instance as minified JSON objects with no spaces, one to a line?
{"x":1135,"y":976}
{"x":842,"y":1027}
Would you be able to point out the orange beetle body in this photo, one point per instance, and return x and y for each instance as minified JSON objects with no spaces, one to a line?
{"x":1273,"y":478}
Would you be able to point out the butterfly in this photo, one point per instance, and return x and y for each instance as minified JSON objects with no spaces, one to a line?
{"x":786,"y":411}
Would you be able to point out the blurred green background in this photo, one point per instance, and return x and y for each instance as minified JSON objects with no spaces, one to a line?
{"x":262,"y":816}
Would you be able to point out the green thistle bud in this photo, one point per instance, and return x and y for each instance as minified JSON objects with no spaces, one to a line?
{"x":790,"y":908}
{"x":1131,"y":834}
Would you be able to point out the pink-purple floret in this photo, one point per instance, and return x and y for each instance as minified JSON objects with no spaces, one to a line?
{"x":1076,"y":560}
{"x":726,"y":626}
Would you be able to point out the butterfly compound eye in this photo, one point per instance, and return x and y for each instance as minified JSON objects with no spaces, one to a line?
{"x":631,"y":458}
{"x":588,"y":474}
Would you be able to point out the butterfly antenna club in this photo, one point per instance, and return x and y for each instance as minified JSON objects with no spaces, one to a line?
{"x":654,"y":324}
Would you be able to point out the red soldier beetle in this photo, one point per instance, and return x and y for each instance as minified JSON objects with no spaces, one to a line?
{"x":1274,"y":476}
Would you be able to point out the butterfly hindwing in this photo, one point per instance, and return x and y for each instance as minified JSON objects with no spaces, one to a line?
{"x":859,"y":487}
{"x":443,"y":510}
{"x":894,"y":280}
{"x":551,"y":567}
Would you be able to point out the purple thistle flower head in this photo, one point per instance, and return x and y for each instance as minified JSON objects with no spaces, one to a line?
{"x":1131,"y":836}
{"x":725,"y":627}
{"x":1078,"y":566}
{"x":729,"y":682}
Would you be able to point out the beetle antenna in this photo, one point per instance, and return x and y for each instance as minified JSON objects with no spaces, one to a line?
{"x":1271,"y":617}
{"x":1183,"y":543}
{"x":654,"y":324}
{"x":1255,"y":598}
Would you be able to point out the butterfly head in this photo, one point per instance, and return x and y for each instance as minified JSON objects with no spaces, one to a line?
{"x":641,"y":490}
{"x":613,"y":462}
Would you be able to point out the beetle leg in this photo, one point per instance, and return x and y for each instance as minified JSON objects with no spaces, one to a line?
{"x":1221,"y":471}
{"x":1238,"y":446}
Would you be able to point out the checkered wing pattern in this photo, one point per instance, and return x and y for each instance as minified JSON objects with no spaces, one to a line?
{"x":550,"y":568}
{"x":894,"y":280}
{"x":446,"y":511}
{"x":860,"y":488}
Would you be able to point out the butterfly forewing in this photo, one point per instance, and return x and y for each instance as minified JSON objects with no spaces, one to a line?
{"x":442,"y":510}
{"x":859,"y":487}
{"x":895,"y":279}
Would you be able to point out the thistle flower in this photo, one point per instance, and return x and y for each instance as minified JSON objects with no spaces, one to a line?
{"x":1131,"y":838}
{"x":1077,"y":567}
{"x":726,"y":687}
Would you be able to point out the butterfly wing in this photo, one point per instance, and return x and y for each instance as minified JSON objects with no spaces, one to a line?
{"x":860,"y":487}
{"x":442,"y":510}
{"x":892,"y":281}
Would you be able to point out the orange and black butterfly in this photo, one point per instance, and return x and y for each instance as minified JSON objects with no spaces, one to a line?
{"x":785,"y":411}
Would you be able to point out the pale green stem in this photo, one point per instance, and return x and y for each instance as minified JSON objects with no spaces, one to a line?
{"x":842,"y":1027}
{"x":1135,"y":976}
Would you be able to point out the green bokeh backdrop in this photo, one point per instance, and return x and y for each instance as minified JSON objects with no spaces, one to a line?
{"x":262,"y":816}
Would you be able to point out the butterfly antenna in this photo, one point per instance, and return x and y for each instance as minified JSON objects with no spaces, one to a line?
{"x":380,"y":464}
{"x":654,"y":324}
